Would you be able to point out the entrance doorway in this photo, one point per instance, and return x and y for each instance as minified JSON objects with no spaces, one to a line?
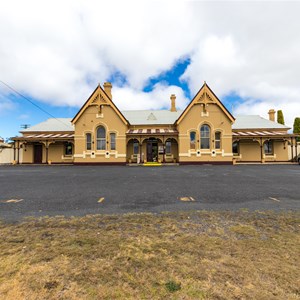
{"x":38,"y":154}
{"x":152,"y":150}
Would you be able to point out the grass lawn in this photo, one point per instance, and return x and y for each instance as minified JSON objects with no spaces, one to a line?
{"x":186,"y":255}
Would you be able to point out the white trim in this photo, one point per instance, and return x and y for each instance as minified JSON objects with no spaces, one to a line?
{"x":79,"y":156}
{"x":66,"y":157}
{"x":184,"y":154}
{"x":206,"y":153}
{"x":273,"y":156}
{"x":228,"y":155}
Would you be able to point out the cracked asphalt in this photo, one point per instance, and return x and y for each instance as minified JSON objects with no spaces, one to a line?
{"x":79,"y":190}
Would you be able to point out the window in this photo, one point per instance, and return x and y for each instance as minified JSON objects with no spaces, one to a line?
{"x":101,"y":140}
{"x":268,"y":147}
{"x":218,"y":140}
{"x":112,"y":141}
{"x":205,"y":137}
{"x":88,"y":139}
{"x":135,"y":147}
{"x":235,"y":148}
{"x":68,"y":149}
{"x":193,"y":140}
{"x":168,"y":147}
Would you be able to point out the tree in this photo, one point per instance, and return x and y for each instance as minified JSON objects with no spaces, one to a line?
{"x":280,"y":118}
{"x":296,"y":128}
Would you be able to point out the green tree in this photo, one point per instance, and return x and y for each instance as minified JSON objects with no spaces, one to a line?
{"x":280,"y":118}
{"x":296,"y":128}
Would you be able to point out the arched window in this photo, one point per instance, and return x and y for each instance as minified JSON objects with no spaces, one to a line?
{"x":101,"y":138}
{"x":268,"y":147}
{"x":112,"y":141}
{"x":217,"y":140}
{"x":88,"y":140}
{"x":193,"y":140}
{"x":205,"y":136}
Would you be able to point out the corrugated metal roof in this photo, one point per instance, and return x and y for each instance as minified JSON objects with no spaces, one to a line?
{"x":50,"y":125}
{"x":256,"y":122}
{"x":151,"y":117}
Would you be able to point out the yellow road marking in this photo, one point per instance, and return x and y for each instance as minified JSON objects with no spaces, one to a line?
{"x":12,"y":201}
{"x":101,"y":200}
{"x":274,"y":199}
{"x":186,"y":199}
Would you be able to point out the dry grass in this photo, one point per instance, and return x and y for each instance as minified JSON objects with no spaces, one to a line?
{"x":190,"y":255}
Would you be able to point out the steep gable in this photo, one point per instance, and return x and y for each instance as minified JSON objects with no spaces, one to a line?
{"x":99,"y":98}
{"x":205,"y":97}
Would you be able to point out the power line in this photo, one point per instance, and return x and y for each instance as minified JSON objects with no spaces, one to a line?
{"x":40,"y":108}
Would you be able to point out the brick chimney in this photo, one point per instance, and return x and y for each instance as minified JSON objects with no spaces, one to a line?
{"x":107,"y":88}
{"x":271,"y":115}
{"x":173,"y":104}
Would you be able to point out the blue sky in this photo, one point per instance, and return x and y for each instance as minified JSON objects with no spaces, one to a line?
{"x":56,"y":52}
{"x":23,"y":112}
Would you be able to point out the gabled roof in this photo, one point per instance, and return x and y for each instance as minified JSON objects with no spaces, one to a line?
{"x":151,"y":117}
{"x":256,"y":122}
{"x":101,"y":93}
{"x":53,"y":124}
{"x":205,"y":91}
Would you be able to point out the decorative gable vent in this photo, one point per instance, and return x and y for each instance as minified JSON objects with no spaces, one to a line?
{"x":151,"y":117}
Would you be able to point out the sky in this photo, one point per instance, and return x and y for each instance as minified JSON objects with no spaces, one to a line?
{"x":55,"y":53}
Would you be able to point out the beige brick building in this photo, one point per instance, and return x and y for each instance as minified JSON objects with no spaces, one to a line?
{"x":204,"y":132}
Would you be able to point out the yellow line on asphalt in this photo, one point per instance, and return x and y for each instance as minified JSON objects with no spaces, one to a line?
{"x":101,"y":200}
{"x":186,"y":199}
{"x":12,"y":201}
{"x":274,"y":199}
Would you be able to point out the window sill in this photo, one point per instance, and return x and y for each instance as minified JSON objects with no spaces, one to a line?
{"x":67,"y":157}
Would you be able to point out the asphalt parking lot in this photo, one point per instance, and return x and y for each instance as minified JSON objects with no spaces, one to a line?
{"x":80,"y":190}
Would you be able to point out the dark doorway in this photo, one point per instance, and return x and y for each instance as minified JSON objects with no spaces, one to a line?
{"x":152,"y":151}
{"x":38,"y":154}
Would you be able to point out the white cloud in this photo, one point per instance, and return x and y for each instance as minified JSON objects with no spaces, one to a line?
{"x":158,"y":98}
{"x":57,"y":51}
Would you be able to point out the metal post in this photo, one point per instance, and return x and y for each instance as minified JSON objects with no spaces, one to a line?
{"x":14,"y":151}
{"x":18,"y":160}
{"x":47,"y":146}
{"x":292,"y":148}
{"x":261,"y":151}
{"x":141,"y":145}
{"x":296,"y":148}
{"x":164,"y":149}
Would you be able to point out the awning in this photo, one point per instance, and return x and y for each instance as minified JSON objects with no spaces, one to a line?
{"x":155,"y":131}
{"x":47,"y":136}
{"x":261,"y":133}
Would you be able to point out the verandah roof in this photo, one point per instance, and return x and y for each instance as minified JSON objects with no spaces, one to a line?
{"x":155,"y":131}
{"x":45,"y":136}
{"x":261,"y":133}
